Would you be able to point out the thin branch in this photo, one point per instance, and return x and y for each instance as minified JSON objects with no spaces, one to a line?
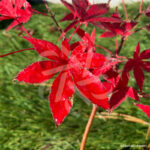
{"x":16,"y":52}
{"x":137,"y":16}
{"x":141,"y":5}
{"x":74,"y":31}
{"x":116,"y":43}
{"x":53,"y":17}
{"x":125,"y":9}
{"x":38,"y":12}
{"x":24,"y":29}
{"x":120,"y":46}
{"x":88,"y":126}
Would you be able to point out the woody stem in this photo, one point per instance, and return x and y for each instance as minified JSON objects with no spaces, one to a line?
{"x":121,"y":45}
{"x":53,"y":17}
{"x":88,"y":126}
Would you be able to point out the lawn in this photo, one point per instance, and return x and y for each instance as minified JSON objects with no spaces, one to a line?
{"x":26,"y":122}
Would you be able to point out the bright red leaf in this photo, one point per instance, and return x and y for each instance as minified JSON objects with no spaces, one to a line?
{"x":18,"y":10}
{"x":144,"y":108}
{"x":72,"y":70}
{"x":60,"y":96}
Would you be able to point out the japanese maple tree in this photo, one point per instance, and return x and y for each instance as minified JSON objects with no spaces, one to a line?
{"x":99,"y":78}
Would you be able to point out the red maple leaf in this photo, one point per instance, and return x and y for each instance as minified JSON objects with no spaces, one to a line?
{"x":137,"y":64}
{"x":82,"y":12}
{"x":18,"y":10}
{"x":121,"y":91}
{"x":122,"y":29}
{"x":88,"y":41}
{"x":73,"y":70}
{"x":144,"y":108}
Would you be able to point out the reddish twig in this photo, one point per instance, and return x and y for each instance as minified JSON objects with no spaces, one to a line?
{"x":120,"y":46}
{"x":16,"y":52}
{"x":74,"y":31}
{"x":53,"y":17}
{"x":41,"y":13}
{"x":125,"y":9}
{"x":88,"y":126}
{"x":141,"y":5}
{"x":24,"y":29}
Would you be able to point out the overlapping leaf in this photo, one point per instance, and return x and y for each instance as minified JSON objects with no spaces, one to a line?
{"x":82,"y":12}
{"x":73,"y":70}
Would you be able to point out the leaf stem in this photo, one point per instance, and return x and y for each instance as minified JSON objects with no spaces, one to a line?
{"x":88,"y":126}
{"x":125,"y":9}
{"x":141,"y":5}
{"x":120,"y":46}
{"x":16,"y":52}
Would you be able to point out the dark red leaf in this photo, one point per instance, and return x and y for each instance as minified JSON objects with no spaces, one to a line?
{"x":139,"y":76}
{"x":98,"y":9}
{"x":146,"y":66}
{"x":81,"y":3}
{"x":145,"y":54}
{"x":69,"y":6}
{"x":112,"y":77}
{"x":137,"y":51}
{"x":68,"y":17}
{"x":107,"y":34}
{"x":118,"y":97}
{"x":104,"y":19}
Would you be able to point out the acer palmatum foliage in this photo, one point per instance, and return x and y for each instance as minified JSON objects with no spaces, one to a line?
{"x":78,"y":64}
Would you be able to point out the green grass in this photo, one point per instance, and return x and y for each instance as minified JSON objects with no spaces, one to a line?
{"x":26,"y":122}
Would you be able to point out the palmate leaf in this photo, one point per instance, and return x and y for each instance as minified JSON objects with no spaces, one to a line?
{"x":82,"y":12}
{"x":138,"y":64}
{"x":73,"y":70}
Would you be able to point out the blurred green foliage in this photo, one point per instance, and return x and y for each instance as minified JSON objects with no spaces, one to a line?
{"x":26,"y":122}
